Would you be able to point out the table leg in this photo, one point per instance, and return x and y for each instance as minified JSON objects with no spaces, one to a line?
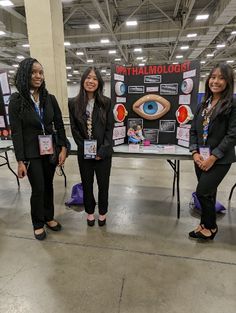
{"x":8,"y":165}
{"x":231,"y":192}
{"x":176,"y":168}
{"x":63,"y":173}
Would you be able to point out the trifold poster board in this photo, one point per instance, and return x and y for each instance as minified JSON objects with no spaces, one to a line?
{"x":156,"y":102}
{"x":4,"y":100}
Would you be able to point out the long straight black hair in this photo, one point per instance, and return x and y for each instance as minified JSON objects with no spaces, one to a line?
{"x":227,"y":94}
{"x":23,"y":81}
{"x":81,"y":99}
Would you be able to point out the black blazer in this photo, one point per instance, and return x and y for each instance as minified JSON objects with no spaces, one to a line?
{"x":100,"y":131}
{"x":26,"y":126}
{"x":221,"y":134}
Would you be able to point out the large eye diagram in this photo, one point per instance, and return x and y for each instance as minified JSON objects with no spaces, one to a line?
{"x":120,"y":88}
{"x":151,"y":107}
{"x":119,"y":112}
{"x":184,"y":114}
{"x":187,"y":86}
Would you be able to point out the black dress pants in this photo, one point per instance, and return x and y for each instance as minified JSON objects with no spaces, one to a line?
{"x":40,"y":175}
{"x":207,"y":189}
{"x":102,"y":169}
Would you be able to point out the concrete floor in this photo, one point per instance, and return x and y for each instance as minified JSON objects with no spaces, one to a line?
{"x":141,"y":262}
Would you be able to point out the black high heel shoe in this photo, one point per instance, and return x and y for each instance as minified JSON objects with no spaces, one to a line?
{"x":204,"y":237}
{"x":193,"y":233}
{"x":101,"y":223}
{"x":40,"y":236}
{"x":91,"y":222}
{"x":57,"y":227}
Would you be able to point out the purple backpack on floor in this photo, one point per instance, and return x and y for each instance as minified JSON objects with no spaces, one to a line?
{"x":195,"y":204}
{"x":77,"y":195}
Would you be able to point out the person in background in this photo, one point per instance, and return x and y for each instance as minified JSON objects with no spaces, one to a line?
{"x":91,"y":121}
{"x":212,"y":141}
{"x":34,"y":114}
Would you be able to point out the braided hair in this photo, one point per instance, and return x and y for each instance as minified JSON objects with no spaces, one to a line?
{"x":23,"y":83}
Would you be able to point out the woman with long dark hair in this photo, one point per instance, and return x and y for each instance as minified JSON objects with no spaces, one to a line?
{"x":34,"y":115}
{"x":91,"y":121}
{"x":212,"y":142}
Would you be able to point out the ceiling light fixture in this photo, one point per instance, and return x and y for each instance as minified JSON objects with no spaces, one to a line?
{"x":230,"y":61}
{"x":20,"y":57}
{"x":112,"y":51}
{"x":2,"y":33}
{"x":94,"y":26}
{"x":79,"y":53}
{"x":131,"y":23}
{"x":141,"y":64}
{"x":66,"y":43}
{"x":68,"y":67}
{"x":138,"y":49}
{"x":139,"y":58}
{"x":90,"y":61}
{"x":192,"y":35}
{"x":201,"y":17}
{"x":104,"y":40}
{"x":179,"y":56}
{"x":222,"y":45}
{"x":184,"y":47}
{"x":118,"y":59}
{"x":233,"y":32}
{"x":6,"y":3}
{"x":202,"y":62}
{"x":210,"y":55}
{"x":26,"y":45}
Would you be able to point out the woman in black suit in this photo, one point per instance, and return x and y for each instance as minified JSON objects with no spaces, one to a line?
{"x":212,"y":141}
{"x":34,"y":114}
{"x":91,"y":121}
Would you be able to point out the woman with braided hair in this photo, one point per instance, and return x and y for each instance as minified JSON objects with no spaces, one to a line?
{"x":34,"y":113}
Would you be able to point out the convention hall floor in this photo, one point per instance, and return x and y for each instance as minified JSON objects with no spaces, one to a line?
{"x":141,"y":262}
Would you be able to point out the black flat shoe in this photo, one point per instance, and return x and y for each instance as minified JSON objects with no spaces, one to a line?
{"x":101,"y":223}
{"x":204,"y":237}
{"x":41,"y":236}
{"x":91,"y":222}
{"x":57,"y":227}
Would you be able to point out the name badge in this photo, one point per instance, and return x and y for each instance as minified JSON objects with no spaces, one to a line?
{"x":45,"y":144}
{"x":204,"y":152}
{"x":90,"y":149}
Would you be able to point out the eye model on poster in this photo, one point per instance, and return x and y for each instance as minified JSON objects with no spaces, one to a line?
{"x":135,"y":134}
{"x":184,"y":114}
{"x":151,"y":107}
{"x":119,"y":112}
{"x":187,"y":85}
{"x":120,"y":88}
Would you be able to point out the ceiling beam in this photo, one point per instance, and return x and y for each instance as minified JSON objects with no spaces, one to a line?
{"x":109,"y":28}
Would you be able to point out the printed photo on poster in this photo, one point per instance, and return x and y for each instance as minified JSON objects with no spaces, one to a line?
{"x":151,"y":134}
{"x":167,"y":126}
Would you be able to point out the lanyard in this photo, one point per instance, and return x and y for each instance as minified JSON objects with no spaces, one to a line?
{"x":89,"y":113}
{"x":206,"y":113}
{"x":40,"y":114}
{"x":89,"y":124}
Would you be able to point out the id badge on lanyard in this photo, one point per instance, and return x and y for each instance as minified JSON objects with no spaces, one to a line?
{"x":205,"y":152}
{"x":90,"y":149}
{"x":45,"y":144}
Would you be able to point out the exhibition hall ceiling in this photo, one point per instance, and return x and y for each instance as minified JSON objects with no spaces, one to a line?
{"x":164,"y":32}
